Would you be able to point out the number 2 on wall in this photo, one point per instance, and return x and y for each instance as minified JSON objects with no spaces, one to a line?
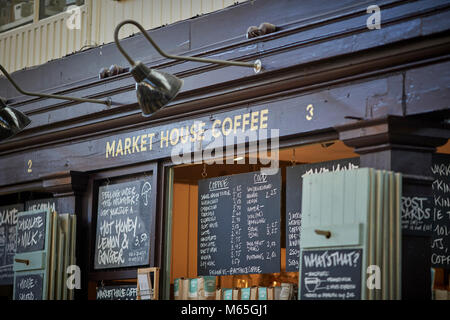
{"x":30,"y":164}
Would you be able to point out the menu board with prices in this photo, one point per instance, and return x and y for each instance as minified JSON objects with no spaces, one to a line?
{"x":239,"y":224}
{"x":440,"y":215}
{"x":8,"y":221}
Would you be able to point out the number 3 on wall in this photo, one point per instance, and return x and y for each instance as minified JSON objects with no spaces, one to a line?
{"x":30,"y":164}
{"x":310,"y":112}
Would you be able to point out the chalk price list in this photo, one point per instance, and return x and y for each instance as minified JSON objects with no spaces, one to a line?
{"x":236,"y":227}
{"x":294,"y":225}
{"x":441,"y":213}
{"x":8,"y":221}
{"x":244,"y":212}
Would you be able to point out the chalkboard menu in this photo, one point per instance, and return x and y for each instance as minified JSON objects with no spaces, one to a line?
{"x":124,"y":292}
{"x":123,"y":224}
{"x":29,"y":287}
{"x":33,"y":234}
{"x":331,"y":275}
{"x":440,"y":169}
{"x":294,"y":202}
{"x":31,"y":230}
{"x":239,"y":224}
{"x":8,"y":221}
{"x":42,"y":204}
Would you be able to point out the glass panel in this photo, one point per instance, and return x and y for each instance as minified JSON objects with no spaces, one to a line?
{"x":48,"y":8}
{"x":15,"y":13}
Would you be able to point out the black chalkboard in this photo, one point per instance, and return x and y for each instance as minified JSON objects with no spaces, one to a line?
{"x":123,"y":292}
{"x":331,"y":274}
{"x":294,"y":202}
{"x":417,"y":215}
{"x":8,"y":221}
{"x":42,"y":204}
{"x":29,"y":287}
{"x":239,"y":224}
{"x":31,"y":232}
{"x":123,"y":224}
{"x":440,"y":246}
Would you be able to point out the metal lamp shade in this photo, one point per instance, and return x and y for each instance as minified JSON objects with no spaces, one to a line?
{"x":154,"y":89}
{"x":12,"y":121}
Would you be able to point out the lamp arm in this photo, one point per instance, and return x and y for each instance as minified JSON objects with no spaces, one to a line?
{"x":256,"y":65}
{"x":52,"y":96}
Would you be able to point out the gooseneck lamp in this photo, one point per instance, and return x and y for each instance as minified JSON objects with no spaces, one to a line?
{"x":155,"y":89}
{"x":51,"y":96}
{"x":13,"y":121}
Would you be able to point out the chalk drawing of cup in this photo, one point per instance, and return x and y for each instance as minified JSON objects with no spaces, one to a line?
{"x":311,"y":284}
{"x":146,"y":191}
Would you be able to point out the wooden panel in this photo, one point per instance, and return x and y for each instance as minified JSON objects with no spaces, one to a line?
{"x":193,"y":229}
{"x":37,"y":260}
{"x":342,"y":235}
{"x":180,"y":231}
{"x":98,"y":20}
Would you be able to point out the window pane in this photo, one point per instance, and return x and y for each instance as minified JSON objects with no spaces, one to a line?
{"x":48,"y":8}
{"x":14,"y":13}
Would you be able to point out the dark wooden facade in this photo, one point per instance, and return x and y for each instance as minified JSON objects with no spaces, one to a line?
{"x":383,"y":92}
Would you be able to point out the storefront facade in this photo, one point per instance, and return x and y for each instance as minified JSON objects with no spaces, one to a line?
{"x":332,"y":87}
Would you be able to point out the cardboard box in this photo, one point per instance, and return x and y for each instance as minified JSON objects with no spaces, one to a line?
{"x":206,"y":288}
{"x":270,"y":293}
{"x":181,"y":288}
{"x":440,"y":294}
{"x":194,"y":285}
{"x":245,"y":293}
{"x":277,"y":293}
{"x":287,"y":291}
{"x":227,"y":294}
{"x":176,"y":288}
{"x":262,"y":293}
{"x":254,"y":293}
{"x":219,"y":294}
{"x":236,"y":294}
{"x":184,"y":289}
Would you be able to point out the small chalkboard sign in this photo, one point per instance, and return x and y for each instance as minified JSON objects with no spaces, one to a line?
{"x":121,"y":292}
{"x":8,"y":221}
{"x":239,"y":224}
{"x":294,"y":202}
{"x":417,"y":215}
{"x":124,"y":220}
{"x":331,"y":274}
{"x":440,"y":247}
{"x":31,"y":230}
{"x":32,"y":259}
{"x":29,"y":286}
{"x":42,"y":204}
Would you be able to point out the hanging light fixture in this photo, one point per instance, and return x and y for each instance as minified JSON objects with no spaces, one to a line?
{"x":13,"y":121}
{"x":155,"y":89}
